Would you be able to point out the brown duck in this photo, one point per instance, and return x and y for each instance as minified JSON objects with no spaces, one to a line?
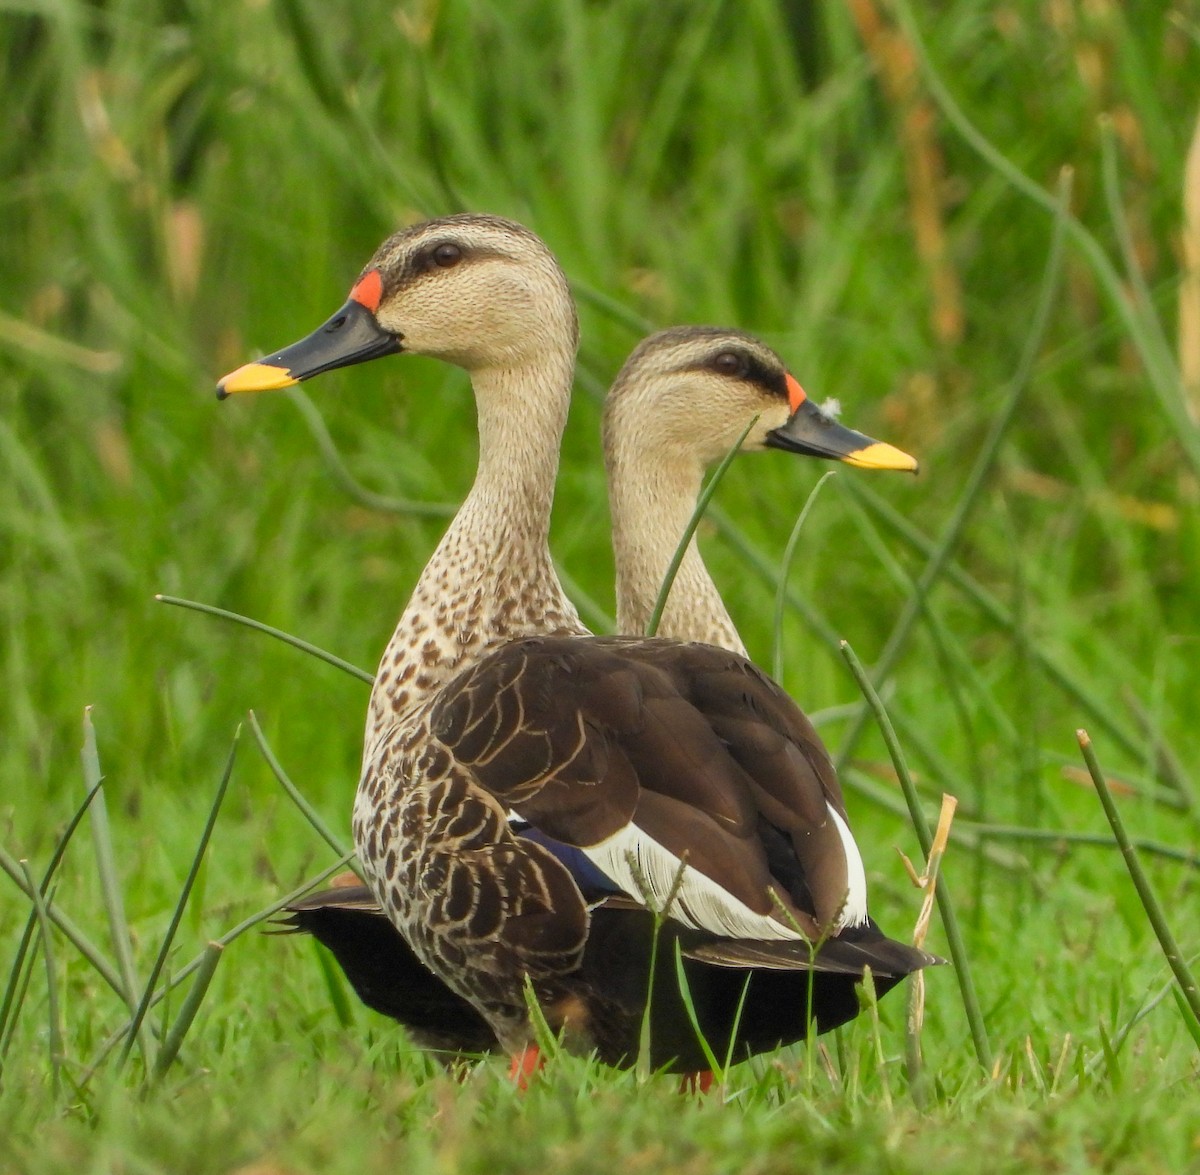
{"x":530,"y":794}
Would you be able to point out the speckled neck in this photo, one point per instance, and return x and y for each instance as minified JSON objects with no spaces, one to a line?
{"x":491,"y":578}
{"x":652,"y":497}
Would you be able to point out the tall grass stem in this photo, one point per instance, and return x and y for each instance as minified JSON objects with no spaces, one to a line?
{"x":346,"y":481}
{"x":10,"y":1005}
{"x":110,"y":885}
{"x":258,"y":626}
{"x":307,"y":810}
{"x":73,"y":934}
{"x":184,"y":894}
{"x":1145,"y":891}
{"x":993,"y":610}
{"x":980,"y":471}
{"x":701,"y":505}
{"x":1164,"y":376}
{"x":54,"y":1008}
{"x":954,"y":939}
{"x":188,"y":1009}
{"x":785,"y":567}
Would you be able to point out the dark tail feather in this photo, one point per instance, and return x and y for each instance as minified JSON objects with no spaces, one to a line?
{"x":849,"y":953}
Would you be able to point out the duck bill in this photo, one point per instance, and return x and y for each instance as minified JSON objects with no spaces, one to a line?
{"x":352,"y":335}
{"x":814,"y":434}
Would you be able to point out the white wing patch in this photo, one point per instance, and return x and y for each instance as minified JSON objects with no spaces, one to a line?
{"x":854,"y":912}
{"x":700,"y":902}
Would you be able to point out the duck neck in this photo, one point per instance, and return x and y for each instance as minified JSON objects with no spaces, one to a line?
{"x":652,"y":496}
{"x":491,"y":578}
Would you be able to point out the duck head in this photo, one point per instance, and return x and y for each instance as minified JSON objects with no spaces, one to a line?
{"x":702,"y":386}
{"x":477,"y":291}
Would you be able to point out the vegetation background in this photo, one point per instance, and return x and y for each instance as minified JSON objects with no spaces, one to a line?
{"x":877,"y":189}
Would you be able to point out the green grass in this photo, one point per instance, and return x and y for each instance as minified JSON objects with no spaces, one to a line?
{"x":185,"y":186}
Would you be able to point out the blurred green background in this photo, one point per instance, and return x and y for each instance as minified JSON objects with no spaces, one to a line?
{"x":186,"y":185}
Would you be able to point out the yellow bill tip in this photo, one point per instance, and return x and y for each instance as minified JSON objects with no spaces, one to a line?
{"x":881,"y":455}
{"x":255,"y":377}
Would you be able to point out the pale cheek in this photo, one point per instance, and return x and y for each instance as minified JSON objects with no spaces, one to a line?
{"x":441,"y":327}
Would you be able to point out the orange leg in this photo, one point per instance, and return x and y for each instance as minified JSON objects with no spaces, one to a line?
{"x":524,"y":1065}
{"x":699,"y":1082}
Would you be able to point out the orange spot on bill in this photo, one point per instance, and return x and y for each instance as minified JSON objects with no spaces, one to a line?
{"x":796,"y":395}
{"x":368,"y":290}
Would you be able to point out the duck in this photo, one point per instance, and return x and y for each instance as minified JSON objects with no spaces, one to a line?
{"x":542,"y":812}
{"x":723,"y":381}
{"x":729,"y":387}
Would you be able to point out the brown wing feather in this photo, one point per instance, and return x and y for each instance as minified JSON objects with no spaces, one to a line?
{"x":676,"y":752}
{"x":734,"y":692}
{"x":689,"y":742}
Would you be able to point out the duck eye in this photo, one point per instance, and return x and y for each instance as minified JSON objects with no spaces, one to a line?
{"x":729,"y":363}
{"x":446,"y":256}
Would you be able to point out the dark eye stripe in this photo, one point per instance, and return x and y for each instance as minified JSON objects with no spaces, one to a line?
{"x":771,"y":379}
{"x":729,"y":363}
{"x":751,"y":369}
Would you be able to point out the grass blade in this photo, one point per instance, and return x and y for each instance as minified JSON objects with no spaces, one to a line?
{"x":262,"y":915}
{"x":1122,"y":1034}
{"x":1145,"y":891}
{"x":191,"y":968}
{"x":181,"y":904}
{"x":1143,"y":303}
{"x":547,"y":1044}
{"x":11,"y":1003}
{"x":868,"y":1000}
{"x":21,"y":976}
{"x":188,"y":1009}
{"x":1167,"y":766}
{"x":590,"y":610}
{"x":998,"y":614}
{"x":332,"y":974}
{"x":685,"y":993}
{"x":989,"y":452}
{"x":110,"y":886}
{"x":642,"y":1065}
{"x":701,"y":504}
{"x":1189,"y":1017}
{"x":1164,"y":377}
{"x":785,"y":566}
{"x":56,"y":1032}
{"x":737,"y":1020}
{"x":754,"y":558}
{"x":278,"y":634}
{"x":307,"y":810}
{"x":74,"y":935}
{"x":616,"y":311}
{"x":916,"y":991}
{"x":347,"y":481}
{"x":954,"y":939}
{"x":1064,"y":836}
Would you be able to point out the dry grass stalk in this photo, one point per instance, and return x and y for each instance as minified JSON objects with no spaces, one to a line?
{"x":927,"y":881}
